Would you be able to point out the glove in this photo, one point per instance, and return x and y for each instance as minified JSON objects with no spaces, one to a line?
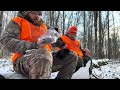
{"x":62,"y":53}
{"x":86,"y":52}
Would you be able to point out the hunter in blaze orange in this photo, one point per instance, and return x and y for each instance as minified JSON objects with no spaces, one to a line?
{"x":69,"y":42}
{"x":29,"y":32}
{"x":31,"y":57}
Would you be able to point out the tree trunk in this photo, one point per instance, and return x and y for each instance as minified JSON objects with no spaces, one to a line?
{"x":1,"y":16}
{"x":53,"y":18}
{"x":95,"y":25}
{"x":100,"y":36}
{"x":63,"y":22}
{"x":84,"y":37}
{"x":56,"y":23}
{"x":108,"y":36}
{"x":1,"y":50}
{"x":50,"y":18}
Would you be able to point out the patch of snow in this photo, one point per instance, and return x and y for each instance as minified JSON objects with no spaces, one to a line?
{"x":54,"y":75}
{"x":109,"y":71}
{"x":6,"y":69}
{"x":82,"y":73}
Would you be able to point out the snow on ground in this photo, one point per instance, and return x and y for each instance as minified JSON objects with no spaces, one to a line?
{"x":82,"y":73}
{"x":6,"y":69}
{"x":109,"y":71}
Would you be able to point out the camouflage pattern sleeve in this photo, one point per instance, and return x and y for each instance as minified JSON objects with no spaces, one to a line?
{"x":10,"y":39}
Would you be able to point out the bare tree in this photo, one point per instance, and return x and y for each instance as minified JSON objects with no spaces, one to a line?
{"x":63,"y":22}
{"x":100,"y":36}
{"x":89,"y":25}
{"x":84,"y":25}
{"x":50,"y":18}
{"x":56,"y":22}
{"x":109,"y":44}
{"x":114,"y":39}
{"x":95,"y":25}
{"x":53,"y":18}
{"x":69,"y":19}
{"x":1,"y":17}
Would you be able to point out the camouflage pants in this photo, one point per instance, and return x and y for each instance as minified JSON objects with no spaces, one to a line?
{"x":35,"y":64}
{"x":38,"y":65}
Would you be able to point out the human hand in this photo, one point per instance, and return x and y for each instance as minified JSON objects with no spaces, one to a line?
{"x":87,"y":52}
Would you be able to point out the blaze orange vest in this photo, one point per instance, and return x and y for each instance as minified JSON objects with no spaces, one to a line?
{"x":29,"y":32}
{"x":73,"y":45}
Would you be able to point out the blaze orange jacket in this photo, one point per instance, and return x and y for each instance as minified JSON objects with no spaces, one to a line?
{"x":73,"y":45}
{"x":29,"y":32}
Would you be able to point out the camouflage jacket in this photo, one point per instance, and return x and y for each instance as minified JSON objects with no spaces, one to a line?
{"x":10,"y":39}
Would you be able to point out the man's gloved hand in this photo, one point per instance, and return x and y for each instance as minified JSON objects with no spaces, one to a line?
{"x":86,"y":52}
{"x":62,"y":53}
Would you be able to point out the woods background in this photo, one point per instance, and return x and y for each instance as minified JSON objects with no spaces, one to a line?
{"x":98,"y":30}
